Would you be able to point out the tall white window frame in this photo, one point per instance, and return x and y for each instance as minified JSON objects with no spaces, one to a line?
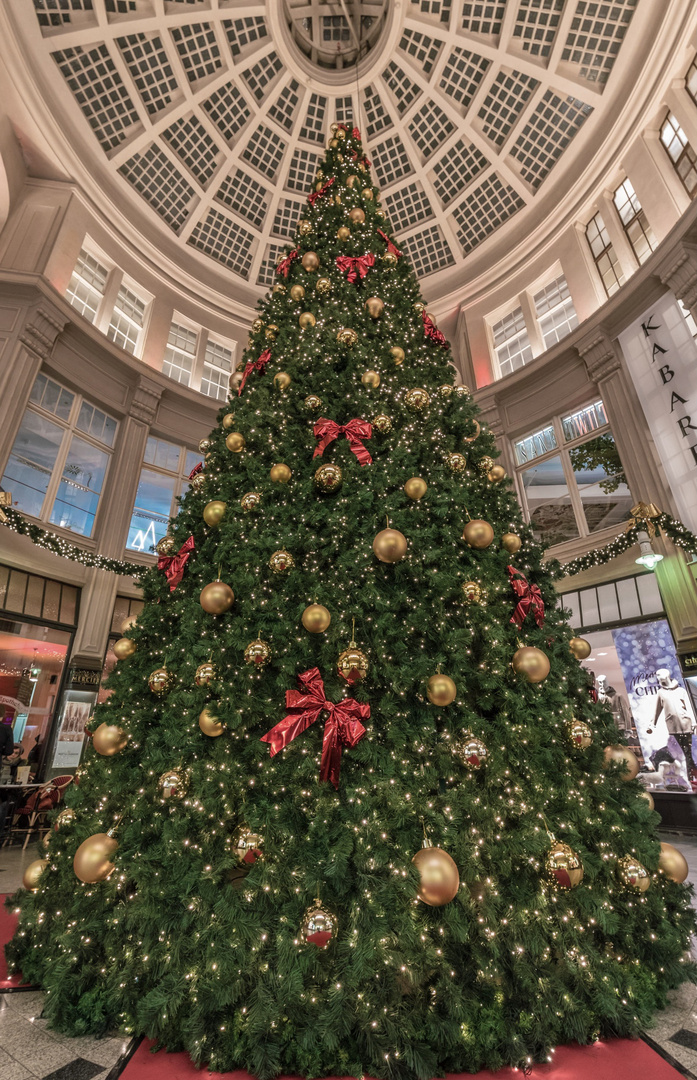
{"x":105,"y":296}
{"x":524,"y":328}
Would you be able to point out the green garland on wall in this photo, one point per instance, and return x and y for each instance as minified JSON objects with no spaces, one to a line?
{"x":51,"y":542}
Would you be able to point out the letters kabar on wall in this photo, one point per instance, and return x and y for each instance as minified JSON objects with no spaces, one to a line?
{"x":674,"y":399}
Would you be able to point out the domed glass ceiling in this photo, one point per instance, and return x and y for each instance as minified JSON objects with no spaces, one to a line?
{"x":335,"y":33}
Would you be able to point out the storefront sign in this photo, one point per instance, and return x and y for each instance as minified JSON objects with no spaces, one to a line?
{"x":661,"y":355}
{"x":76,"y":711}
{"x":79,"y":677}
{"x":688,"y":663}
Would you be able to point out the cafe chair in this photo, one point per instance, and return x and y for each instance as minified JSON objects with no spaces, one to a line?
{"x":31,"y":816}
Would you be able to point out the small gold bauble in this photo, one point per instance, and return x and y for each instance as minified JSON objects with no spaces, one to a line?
{"x":123,"y":648}
{"x":204,"y":446}
{"x":319,"y":927}
{"x":166,"y":546}
{"x":475,"y":423}
{"x":367,"y":193}
{"x":417,"y":399}
{"x":214,"y":512}
{"x":250,"y":502}
{"x":472,"y":591}
{"x":310,"y":261}
{"x":580,"y":734}
{"x":511,"y":543}
{"x":173,"y":784}
{"x":633,"y":874}
{"x":418,"y":306}
{"x":297,"y":292}
{"x":316,"y":618}
{"x":648,"y":797}
{"x":304,"y":227}
{"x":446,"y":390}
{"x":457,"y":463}
{"x":580,"y":648}
{"x":441,"y":690}
{"x":374,"y":306}
{"x":341,"y":133}
{"x":92,"y":862}
{"x":478,"y":534}
{"x":382,"y":423}
{"x":496,"y":474}
{"x":440,"y":879}
{"x":279,"y":288}
{"x":198,"y":482}
{"x":351,"y":180}
{"x":471,"y":751}
{"x":306,"y":320}
{"x":357,"y":215}
{"x":370,"y":379}
{"x":312,"y":402}
{"x":65,"y":817}
{"x":32,"y":874}
{"x":235,"y":380}
{"x":622,"y":756}
{"x":216,"y":598}
{"x":206,"y":673}
{"x":323,"y":286}
{"x":328,"y":478}
{"x":282,"y":380}
{"x":485,"y":463}
{"x":397,"y":354}
{"x":271,"y":332}
{"x":344,"y":233}
{"x":672,"y":863}
{"x":247,"y":845}
{"x":281,"y":562}
{"x":209,"y":723}
{"x":258,"y":653}
{"x":389,"y":259}
{"x":563,"y":868}
{"x":256,"y":326}
{"x":390,"y":545}
{"x":333,"y":144}
{"x":280,"y":474}
{"x":161,"y":681}
{"x":531,"y":663}
{"x":109,"y":739}
{"x":346,"y":336}
{"x":379,"y":213}
{"x":235,"y":442}
{"x":416,"y":488}
{"x":352,"y":664}
{"x":129,"y":622}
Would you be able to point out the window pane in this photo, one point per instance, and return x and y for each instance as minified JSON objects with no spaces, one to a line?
{"x":180,"y":353}
{"x":555,"y":310}
{"x":78,"y":494}
{"x":584,"y":421}
{"x":127,"y":320}
{"x":152,"y":510}
{"x":162,"y":454}
{"x":551,"y":514}
{"x":511,"y":342}
{"x":52,"y":397}
{"x":598,"y":473}
{"x":87,"y":285}
{"x":31,"y":462}
{"x":192,"y":458}
{"x":535,"y":445}
{"x":96,"y":423}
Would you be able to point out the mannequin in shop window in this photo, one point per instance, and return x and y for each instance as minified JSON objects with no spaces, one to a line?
{"x":672,"y":700}
{"x":616,"y":703}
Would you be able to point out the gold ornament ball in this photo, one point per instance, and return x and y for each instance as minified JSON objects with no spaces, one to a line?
{"x":310,"y":261}
{"x":580,"y":734}
{"x":271,"y":332}
{"x":281,"y":562}
{"x":173,"y":784}
{"x":228,"y":421}
{"x":397,"y":354}
{"x":440,"y":879}
{"x":129,"y":622}
{"x":204,"y":446}
{"x":280,"y":474}
{"x":357,"y":216}
{"x":374,"y":306}
{"x":166,"y":546}
{"x":64,"y":818}
{"x":389,"y":259}
{"x":441,"y":690}
{"x":214,"y":512}
{"x":417,"y":400}
{"x":580,"y":648}
{"x":216,"y":598}
{"x":646,"y":795}
{"x":340,"y":133}
{"x":333,"y":144}
{"x":352,"y":664}
{"x":563,"y":867}
{"x":319,"y":927}
{"x":161,"y":681}
{"x":250,"y":502}
{"x":306,"y":320}
{"x":323,"y":286}
{"x":531,"y":663}
{"x":123,"y":648}
{"x":622,"y":756}
{"x":312,"y":402}
{"x":205,"y":673}
{"x":316,"y":618}
{"x":109,"y":739}
{"x":419,"y":307}
{"x":209,"y":723}
{"x":198,"y":482}
{"x":304,"y":227}
{"x":390,"y":545}
{"x":328,"y":478}
{"x":478,"y":534}
{"x":457,"y":463}
{"x":496,"y":474}
{"x":256,"y":326}
{"x":235,"y":442}
{"x":382,"y":423}
{"x":471,"y":751}
{"x":485,"y":463}
{"x":351,"y":180}
{"x":416,"y":488}
{"x":672,"y":863}
{"x":258,"y":653}
{"x":247,"y":845}
{"x":32,"y":874}
{"x":92,"y":862}
{"x":633,"y":874}
{"x":472,"y":591}
{"x":371,"y":379}
{"x":347,"y":337}
{"x":282,"y":380}
{"x":446,"y":390}
{"x":367,"y":193}
{"x":297,"y":292}
{"x":344,"y":233}
{"x":235,"y":380}
{"x":511,"y":543}
{"x":278,"y":289}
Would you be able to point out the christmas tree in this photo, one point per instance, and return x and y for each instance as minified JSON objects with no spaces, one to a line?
{"x":350,"y":807}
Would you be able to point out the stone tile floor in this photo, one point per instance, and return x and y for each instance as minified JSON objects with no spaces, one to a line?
{"x":30,"y":1051}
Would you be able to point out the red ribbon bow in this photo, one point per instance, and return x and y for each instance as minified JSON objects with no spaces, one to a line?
{"x":254,"y":365}
{"x":355,"y":268}
{"x":286,"y":263}
{"x":326,"y":431}
{"x":315,"y":195}
{"x":432,"y":332}
{"x":196,"y":470}
{"x":173,"y":565}
{"x":529,"y":598}
{"x":357,"y":157}
{"x":342,"y":726}
{"x":390,"y":246}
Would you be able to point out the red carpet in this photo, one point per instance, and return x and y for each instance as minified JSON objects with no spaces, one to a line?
{"x":8,"y":922}
{"x":621,"y":1059}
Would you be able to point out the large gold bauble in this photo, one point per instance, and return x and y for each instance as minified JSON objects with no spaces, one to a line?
{"x":258,"y":652}
{"x":328,"y":478}
{"x":471,"y":751}
{"x":477,"y":425}
{"x":472,"y":591}
{"x":166,"y":546}
{"x":352,"y":664}
{"x":531,"y":663}
{"x":235,"y":380}
{"x":281,"y":562}
{"x":478,"y":534}
{"x":446,"y":390}
{"x":316,"y":618}
{"x":123,"y":648}
{"x":622,"y":756}
{"x":441,"y":690}
{"x":271,"y":332}
{"x":633,"y":874}
{"x":457,"y":463}
{"x":228,"y":421}
{"x":416,"y":488}
{"x":297,"y":292}
{"x":216,"y":598}
{"x":109,"y":739}
{"x":440,"y":879}
{"x":250,"y":502}
{"x":161,"y":681}
{"x":209,"y":722}
{"x":382,"y":423}
{"x":673,"y":864}
{"x":580,"y":734}
{"x":390,"y":545}
{"x":357,"y":215}
{"x":646,"y":795}
{"x":235,"y":442}
{"x":92,"y":862}
{"x":205,"y":673}
{"x":343,"y":233}
{"x":313,"y":402}
{"x":310,"y":261}
{"x":351,"y":180}
{"x":371,"y":379}
{"x":247,"y":845}
{"x":282,"y":380}
{"x":496,"y":474}
{"x":198,"y":482}
{"x":389,"y":259}
{"x":347,"y":337}
{"x":511,"y":543}
{"x":214,"y":512}
{"x":580,"y":648}
{"x":306,"y":320}
{"x":32,"y":874}
{"x":173,"y":784}
{"x":304,"y":227}
{"x":374,"y":306}
{"x":397,"y":354}
{"x":256,"y":326}
{"x":417,"y":400}
{"x":485,"y":463}
{"x":279,"y":288}
{"x":367,"y":193}
{"x":129,"y":622}
{"x":204,"y":446}
{"x":323,"y":286}
{"x":319,"y":927}
{"x":280,"y":474}
{"x":563,"y":867}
